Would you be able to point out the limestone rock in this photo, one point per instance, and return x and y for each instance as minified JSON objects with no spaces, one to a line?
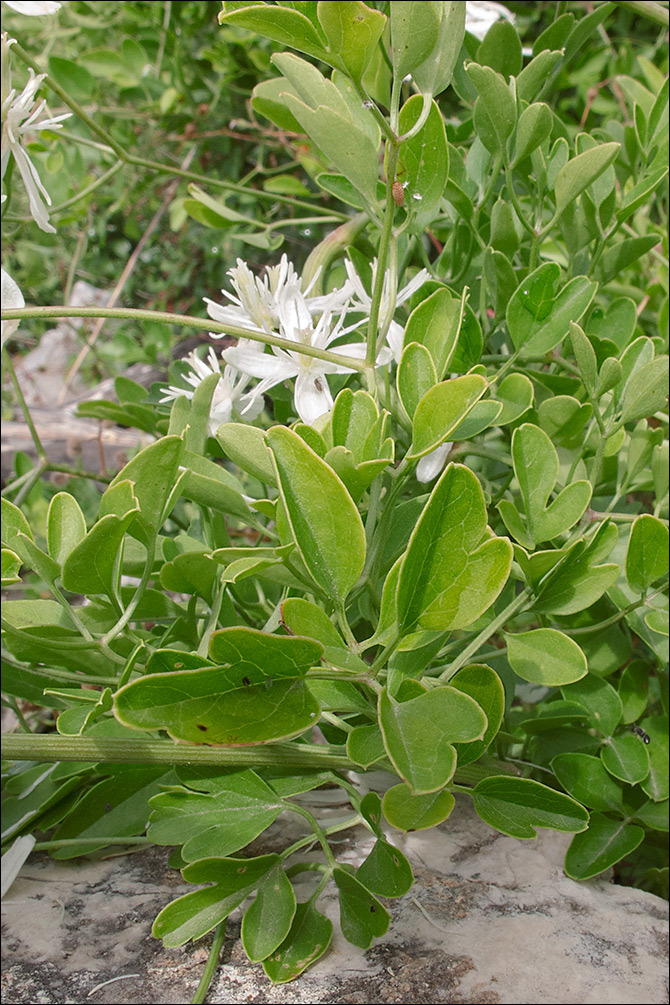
{"x":489,"y":920}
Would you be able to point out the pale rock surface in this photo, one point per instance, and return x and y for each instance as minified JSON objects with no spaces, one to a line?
{"x":489,"y":920}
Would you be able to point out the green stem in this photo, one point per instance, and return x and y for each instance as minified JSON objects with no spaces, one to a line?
{"x":517,"y":205}
{"x":112,"y":750}
{"x":212,"y":963}
{"x":185,"y":320}
{"x":41,"y":452}
{"x":137,"y":596}
{"x":316,"y":827}
{"x":84,"y":192}
{"x":93,"y":842}
{"x":384,"y":244}
{"x":587,"y":629}
{"x":344,"y":825}
{"x":516,"y":605}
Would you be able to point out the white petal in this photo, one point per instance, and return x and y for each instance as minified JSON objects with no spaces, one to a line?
{"x":430,"y":466}
{"x":394,"y":337}
{"x":34,"y":9}
{"x":312,"y":397}
{"x":261,"y":364}
{"x":11,"y":298}
{"x":295,"y":318}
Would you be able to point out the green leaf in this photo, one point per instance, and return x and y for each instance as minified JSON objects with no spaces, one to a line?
{"x":415,"y":376}
{"x":92,"y":565}
{"x":585,"y":778}
{"x":484,"y":685}
{"x":585,"y":355}
{"x":386,"y":871}
{"x":423,"y":160}
{"x":362,"y":917}
{"x":600,"y":700}
{"x":301,"y":617}
{"x":209,"y":484}
{"x":365,"y":746}
{"x":75,"y":79}
{"x":323,"y":517}
{"x":533,"y":76}
{"x":419,"y":734}
{"x":640,"y":193}
{"x":154,"y":473}
{"x":604,"y":844}
{"x":114,"y":807}
{"x":536,"y":468}
{"x":241,"y":563}
{"x":414,"y":27}
{"x":619,"y":256}
{"x":501,"y":49}
{"x":408,"y":812}
{"x":11,"y":565}
{"x":195,"y":914}
{"x":13,"y":523}
{"x":497,"y":100}
{"x":516,"y":393}
{"x":352,"y":30}
{"x":434,"y":74}
{"x":655,"y":785}
{"x":281,"y":24}
{"x":626,"y":757}
{"x":66,"y":526}
{"x":546,"y":656}
{"x":238,"y":808}
{"x":435,"y":324}
{"x":579,"y":581}
{"x":256,"y":697}
{"x":452,"y":571}
{"x":647,"y":554}
{"x":307,"y":940}
{"x":634,"y":690}
{"x":504,"y":238}
{"x":534,"y":126}
{"x":582,"y":171}
{"x":538,"y":317}
{"x":646,"y":390}
{"x":516,"y":806}
{"x":267,"y":100}
{"x":267,"y":922}
{"x":441,"y":410}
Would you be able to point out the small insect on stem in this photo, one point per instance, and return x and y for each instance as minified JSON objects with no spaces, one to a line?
{"x":641,"y":733}
{"x":398,"y":194}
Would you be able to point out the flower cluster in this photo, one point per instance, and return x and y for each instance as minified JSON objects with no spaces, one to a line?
{"x":278,"y":304}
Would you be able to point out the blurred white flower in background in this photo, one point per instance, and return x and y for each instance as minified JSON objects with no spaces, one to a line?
{"x":257,"y":302}
{"x":11,"y":298}
{"x":431,"y":465}
{"x":481,"y":14}
{"x":228,"y":395}
{"x":21,"y":116}
{"x":35,"y":9}
{"x":312,"y":395}
{"x":363,"y":301}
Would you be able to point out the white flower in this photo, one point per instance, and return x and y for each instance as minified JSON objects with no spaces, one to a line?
{"x":257,"y":302}
{"x":228,"y":395}
{"x":35,"y":9}
{"x":312,"y":394}
{"x":19,"y":117}
{"x":431,"y":465}
{"x":481,"y":14}
{"x":11,"y":298}
{"x":363,"y":301}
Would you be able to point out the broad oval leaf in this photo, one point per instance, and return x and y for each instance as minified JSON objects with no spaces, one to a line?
{"x":626,"y":757}
{"x":546,"y":656}
{"x":441,"y":410}
{"x":452,"y":571}
{"x":419,"y":734}
{"x":423,"y":161}
{"x":408,"y":812}
{"x":516,"y":806}
{"x":604,"y":844}
{"x":362,"y":917}
{"x":647,"y":555}
{"x":307,"y":940}
{"x":538,"y":317}
{"x":66,"y":526}
{"x":484,"y":685}
{"x":325,"y":522}
{"x":585,"y":778}
{"x":267,"y":922}
{"x":386,"y":871}
{"x":582,"y":171}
